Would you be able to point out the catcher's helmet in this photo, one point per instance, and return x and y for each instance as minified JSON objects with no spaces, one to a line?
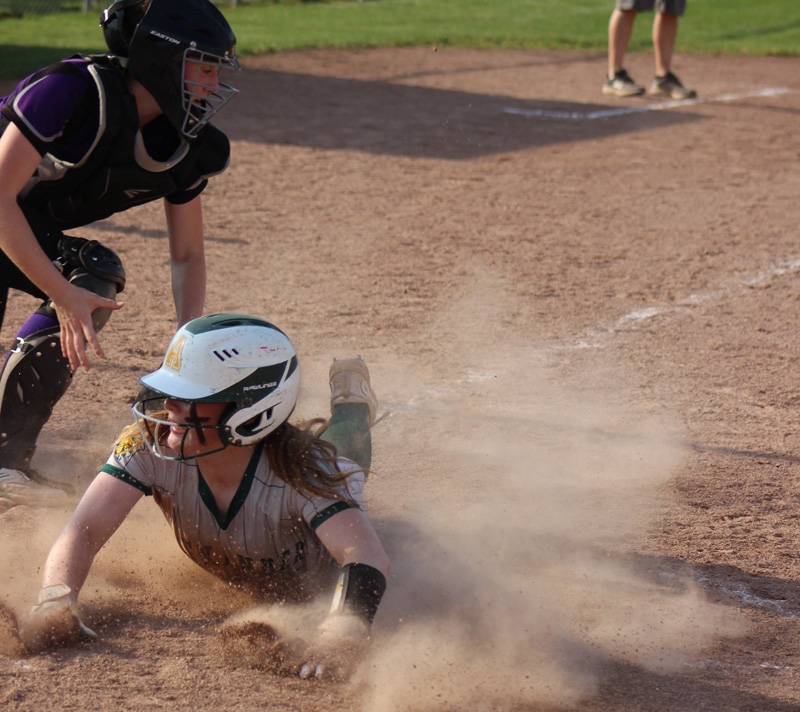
{"x":227,"y":358}
{"x":157,"y":39}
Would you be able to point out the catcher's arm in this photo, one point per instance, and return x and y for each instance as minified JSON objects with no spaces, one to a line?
{"x":54,"y":620}
{"x":352,"y":540}
{"x":187,"y":257}
{"x":18,"y":162}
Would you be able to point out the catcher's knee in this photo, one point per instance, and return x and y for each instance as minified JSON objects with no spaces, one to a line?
{"x":92,"y":266}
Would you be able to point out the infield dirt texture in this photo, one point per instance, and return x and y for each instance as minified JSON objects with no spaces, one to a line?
{"x":584,"y":331}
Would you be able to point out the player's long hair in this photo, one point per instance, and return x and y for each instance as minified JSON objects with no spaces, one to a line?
{"x":304,"y":461}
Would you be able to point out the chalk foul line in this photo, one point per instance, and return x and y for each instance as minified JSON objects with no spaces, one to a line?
{"x":627,"y":110}
{"x":596,"y":337}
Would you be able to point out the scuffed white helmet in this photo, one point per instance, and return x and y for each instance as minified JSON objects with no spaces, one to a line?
{"x":230,"y":358}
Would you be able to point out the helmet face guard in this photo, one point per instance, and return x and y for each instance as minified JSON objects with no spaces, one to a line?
{"x":155,"y":428}
{"x":199,"y":102}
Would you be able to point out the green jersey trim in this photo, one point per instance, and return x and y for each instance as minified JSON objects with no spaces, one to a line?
{"x":241,"y":493}
{"x":321,"y":517}
{"x":128,"y":479}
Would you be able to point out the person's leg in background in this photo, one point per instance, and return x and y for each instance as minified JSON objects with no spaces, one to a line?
{"x":665,"y":33}
{"x":618,"y":81}
{"x":665,"y":36}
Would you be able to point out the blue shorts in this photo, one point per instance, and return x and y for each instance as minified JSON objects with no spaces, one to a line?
{"x":668,"y":7}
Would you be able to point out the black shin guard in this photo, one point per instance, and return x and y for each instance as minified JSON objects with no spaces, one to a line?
{"x":33,"y":379}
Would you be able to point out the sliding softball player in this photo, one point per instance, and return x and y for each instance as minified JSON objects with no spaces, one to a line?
{"x":252,"y":498}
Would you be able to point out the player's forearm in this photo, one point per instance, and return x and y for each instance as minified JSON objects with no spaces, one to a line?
{"x":189,"y":288}
{"x":187,"y":254}
{"x":351,"y":539}
{"x":18,"y":242}
{"x":367,"y":552}
{"x":103,"y":507}
{"x":70,"y":559}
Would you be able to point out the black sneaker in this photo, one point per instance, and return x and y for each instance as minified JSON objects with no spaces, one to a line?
{"x":669,"y":85}
{"x":621,"y":84}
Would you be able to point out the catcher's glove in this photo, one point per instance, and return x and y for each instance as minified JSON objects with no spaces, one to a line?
{"x":53,"y":622}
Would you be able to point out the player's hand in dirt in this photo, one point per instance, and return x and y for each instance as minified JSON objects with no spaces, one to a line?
{"x":338,"y":649}
{"x":53,"y":622}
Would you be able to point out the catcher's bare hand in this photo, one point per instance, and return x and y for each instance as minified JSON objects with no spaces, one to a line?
{"x":74,"y":310}
{"x":53,"y":622}
{"x":338,"y":649}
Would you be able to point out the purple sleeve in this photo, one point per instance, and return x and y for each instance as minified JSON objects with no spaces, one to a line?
{"x":41,"y":107}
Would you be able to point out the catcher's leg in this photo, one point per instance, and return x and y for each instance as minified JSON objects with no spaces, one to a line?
{"x":353,"y":409}
{"x":35,"y":374}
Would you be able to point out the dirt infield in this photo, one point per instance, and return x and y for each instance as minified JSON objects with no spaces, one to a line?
{"x":583,"y":329}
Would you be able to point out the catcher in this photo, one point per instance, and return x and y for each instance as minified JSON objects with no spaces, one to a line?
{"x":83,"y":139}
{"x":252,"y":499}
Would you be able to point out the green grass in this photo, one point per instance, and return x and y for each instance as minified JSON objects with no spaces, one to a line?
{"x":757,"y":27}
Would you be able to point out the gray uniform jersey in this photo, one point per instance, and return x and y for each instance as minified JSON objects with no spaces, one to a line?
{"x":266,"y":537}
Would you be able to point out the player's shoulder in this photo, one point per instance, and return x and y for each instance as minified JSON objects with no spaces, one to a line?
{"x":74,"y":72}
{"x":350,"y":479}
{"x":354,"y":478}
{"x":64,"y":81}
{"x":349,"y":469}
{"x":74,"y":79}
{"x":340,"y":469}
{"x":45,"y":103}
{"x":129,"y":442}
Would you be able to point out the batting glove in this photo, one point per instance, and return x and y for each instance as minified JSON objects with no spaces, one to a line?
{"x":54,"y":621}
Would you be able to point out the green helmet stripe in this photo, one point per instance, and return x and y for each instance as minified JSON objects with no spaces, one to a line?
{"x":212,"y":322}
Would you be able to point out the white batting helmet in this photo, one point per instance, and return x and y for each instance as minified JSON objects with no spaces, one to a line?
{"x":236,"y":359}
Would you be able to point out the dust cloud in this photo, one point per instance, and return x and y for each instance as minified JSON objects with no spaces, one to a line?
{"x":513,"y":486}
{"x":512,"y":490}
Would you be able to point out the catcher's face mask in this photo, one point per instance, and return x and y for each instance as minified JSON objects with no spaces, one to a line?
{"x":204,"y":92}
{"x":177,"y":430}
